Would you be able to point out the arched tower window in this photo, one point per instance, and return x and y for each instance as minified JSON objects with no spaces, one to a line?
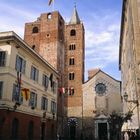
{"x":31,"y":130}
{"x":72,"y":47}
{"x":71,"y":61}
{"x":35,"y":30}
{"x":71,"y":91}
{"x":73,"y":32}
{"x":33,"y":47}
{"x":71,"y":76}
{"x":49,"y":16}
{"x":15,"y":128}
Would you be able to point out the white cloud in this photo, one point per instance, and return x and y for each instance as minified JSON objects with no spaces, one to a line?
{"x":15,"y":11}
{"x":97,"y":38}
{"x":101,"y":39}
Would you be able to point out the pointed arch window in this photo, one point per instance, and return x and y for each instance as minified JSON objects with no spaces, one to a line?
{"x":73,"y":32}
{"x":15,"y":128}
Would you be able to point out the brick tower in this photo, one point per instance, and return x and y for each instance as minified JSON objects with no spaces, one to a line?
{"x":62,"y":45}
{"x":46,"y":37}
{"x":74,"y":74}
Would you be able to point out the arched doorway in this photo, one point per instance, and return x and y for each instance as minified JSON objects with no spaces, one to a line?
{"x":72,"y":122}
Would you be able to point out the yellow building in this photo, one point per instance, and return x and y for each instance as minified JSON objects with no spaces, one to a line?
{"x":28,"y":91}
{"x":129,"y":58}
{"x":101,"y":98}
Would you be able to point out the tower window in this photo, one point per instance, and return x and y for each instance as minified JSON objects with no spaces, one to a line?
{"x":71,"y":91}
{"x":72,"y":47}
{"x":73,"y":32}
{"x":49,"y":16}
{"x":35,"y":30}
{"x":33,"y":47}
{"x":71,"y":76}
{"x":71,"y":61}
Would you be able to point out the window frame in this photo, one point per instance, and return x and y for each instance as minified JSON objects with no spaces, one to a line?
{"x":71,"y":76}
{"x":72,"y":61}
{"x":45,"y":81}
{"x":53,"y":106}
{"x":20,"y":65}
{"x":2,"y":58}
{"x":35,"y":30}
{"x":1,"y":89}
{"x":72,"y":47}
{"x":33,"y":100}
{"x":44,"y":103}
{"x":34,"y":73}
{"x":16,"y":97}
{"x":73,"y":32}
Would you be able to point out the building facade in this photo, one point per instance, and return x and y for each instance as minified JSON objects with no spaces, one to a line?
{"x":28,"y":92}
{"x":101,"y":98}
{"x":62,"y":45}
{"x":129,"y":58}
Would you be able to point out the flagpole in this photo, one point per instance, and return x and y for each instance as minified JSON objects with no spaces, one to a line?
{"x":53,"y":6}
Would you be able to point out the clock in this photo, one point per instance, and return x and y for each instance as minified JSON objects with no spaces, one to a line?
{"x":100,"y":88}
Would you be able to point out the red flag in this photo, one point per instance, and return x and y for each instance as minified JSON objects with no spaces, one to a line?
{"x":62,"y":90}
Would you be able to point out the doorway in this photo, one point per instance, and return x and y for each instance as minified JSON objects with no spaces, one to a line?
{"x":43,"y":131}
{"x":102,"y":131}
{"x":72,"y":132}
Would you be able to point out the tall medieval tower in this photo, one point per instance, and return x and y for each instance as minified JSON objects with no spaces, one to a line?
{"x":74,"y":73}
{"x":62,"y":45}
{"x":46,"y":37}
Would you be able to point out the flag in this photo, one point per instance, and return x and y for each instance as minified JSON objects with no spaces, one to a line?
{"x":51,"y":79}
{"x":26,"y":93}
{"x":62,"y":90}
{"x":50,"y":2}
{"x":19,"y":82}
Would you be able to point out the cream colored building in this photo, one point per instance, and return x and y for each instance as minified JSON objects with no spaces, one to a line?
{"x":18,"y":114}
{"x":101,"y":97}
{"x":129,"y":58}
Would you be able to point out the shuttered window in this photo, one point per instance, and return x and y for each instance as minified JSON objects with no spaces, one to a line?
{"x":34,"y":73}
{"x":2,"y":58}
{"x":20,"y":64}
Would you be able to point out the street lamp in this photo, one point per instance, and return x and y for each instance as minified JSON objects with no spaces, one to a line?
{"x":137,"y":105}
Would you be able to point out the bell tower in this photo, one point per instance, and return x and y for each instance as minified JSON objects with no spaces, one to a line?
{"x":74,"y":71}
{"x":46,"y":37}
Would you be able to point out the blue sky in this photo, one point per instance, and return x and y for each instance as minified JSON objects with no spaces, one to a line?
{"x":101,"y":19}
